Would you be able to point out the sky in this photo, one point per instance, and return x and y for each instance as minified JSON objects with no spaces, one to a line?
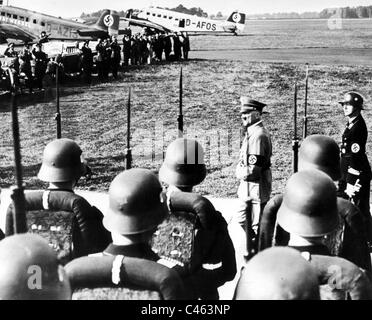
{"x":73,"y":8}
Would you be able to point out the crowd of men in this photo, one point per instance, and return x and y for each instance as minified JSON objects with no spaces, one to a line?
{"x":107,"y":57}
{"x":312,"y":242}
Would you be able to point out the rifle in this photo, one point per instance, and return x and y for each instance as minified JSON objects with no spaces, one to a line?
{"x":18,"y":197}
{"x":250,"y":250}
{"x":58,"y":112}
{"x":304,"y":131}
{"x":128,"y":151}
{"x":295,"y":142}
{"x":180,"y":115}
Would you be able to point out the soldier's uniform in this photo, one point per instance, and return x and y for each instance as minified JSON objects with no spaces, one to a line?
{"x":25,"y":67}
{"x":355,"y":166}
{"x":350,"y":241}
{"x":354,"y":241}
{"x":87,"y":62}
{"x":136,"y":207}
{"x":212,"y":260}
{"x":254,"y":166}
{"x":41,"y":60}
{"x":86,"y":232}
{"x":72,"y":225}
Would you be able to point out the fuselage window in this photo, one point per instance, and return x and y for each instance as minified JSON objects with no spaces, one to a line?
{"x":170,"y":17}
{"x":159,"y":15}
{"x":153,"y":14}
{"x":34,"y":21}
{"x":27,"y":19}
{"x":42,"y":24}
{"x":3,"y":14}
{"x":8,"y":15}
{"x":21,"y":18}
{"x":15,"y":16}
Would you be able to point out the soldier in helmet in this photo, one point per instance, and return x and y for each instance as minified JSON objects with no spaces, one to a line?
{"x":278,"y":273}
{"x":29,"y":270}
{"x":309,"y":214}
{"x":214,"y":255}
{"x":322,"y":153}
{"x":136,"y":207}
{"x":355,"y":169}
{"x":62,"y":168}
{"x":253,"y":169}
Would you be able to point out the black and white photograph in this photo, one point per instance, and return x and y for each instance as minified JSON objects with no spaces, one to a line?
{"x":197,"y":151}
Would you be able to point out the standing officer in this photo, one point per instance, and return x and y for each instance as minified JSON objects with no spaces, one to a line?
{"x":355,"y":169}
{"x":126,"y":49}
{"x":115,"y":57}
{"x":87,"y":62}
{"x":41,"y":60}
{"x":253,"y":169}
{"x":213,"y":260}
{"x":25,"y":67}
{"x":29,"y":270}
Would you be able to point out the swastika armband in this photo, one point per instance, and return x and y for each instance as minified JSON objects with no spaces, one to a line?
{"x":256,"y":160}
{"x":355,"y":148}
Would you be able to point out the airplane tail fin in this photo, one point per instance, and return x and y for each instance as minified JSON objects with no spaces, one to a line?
{"x":109,"y":20}
{"x":237,"y":18}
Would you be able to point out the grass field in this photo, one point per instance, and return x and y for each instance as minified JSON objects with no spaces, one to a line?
{"x":96,"y":117}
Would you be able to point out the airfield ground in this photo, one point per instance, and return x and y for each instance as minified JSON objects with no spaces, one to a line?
{"x":221,"y":69}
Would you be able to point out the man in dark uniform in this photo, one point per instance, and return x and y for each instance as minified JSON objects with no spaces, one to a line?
{"x":254,"y":165}
{"x":62,"y":168}
{"x":127,"y":49}
{"x":41,"y":60}
{"x":87,"y":61}
{"x":214,"y":255}
{"x":29,"y":270}
{"x":115,"y":57}
{"x":309,"y":214}
{"x":25,"y":67}
{"x":355,"y":169}
{"x":322,"y":153}
{"x":278,"y":274}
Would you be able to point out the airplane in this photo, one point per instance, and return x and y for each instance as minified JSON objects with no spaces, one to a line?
{"x":170,"y":21}
{"x":26,"y":25}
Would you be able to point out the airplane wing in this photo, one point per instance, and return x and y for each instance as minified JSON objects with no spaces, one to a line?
{"x":146,"y":24}
{"x":13,"y":32}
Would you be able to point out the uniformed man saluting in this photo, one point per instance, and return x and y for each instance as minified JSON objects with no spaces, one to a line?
{"x":253,"y":169}
{"x":355,"y":169}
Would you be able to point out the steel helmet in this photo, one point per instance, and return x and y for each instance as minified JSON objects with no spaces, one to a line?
{"x":29,"y":270}
{"x":184,"y":163}
{"x":322,"y":153}
{"x":136,"y":203}
{"x":62,"y":162}
{"x":353,"y":98}
{"x":278,"y":273}
{"x":309,"y":207}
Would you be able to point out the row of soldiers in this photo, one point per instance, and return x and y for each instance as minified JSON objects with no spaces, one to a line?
{"x":320,"y":240}
{"x":20,"y":64}
{"x":145,"y":49}
{"x":138,"y":49}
